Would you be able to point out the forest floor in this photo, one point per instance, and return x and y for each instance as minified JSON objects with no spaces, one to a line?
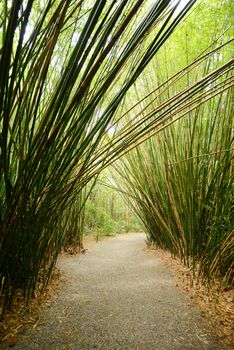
{"x":119,"y":295}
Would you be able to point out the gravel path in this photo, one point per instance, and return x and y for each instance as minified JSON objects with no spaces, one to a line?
{"x":119,"y":296}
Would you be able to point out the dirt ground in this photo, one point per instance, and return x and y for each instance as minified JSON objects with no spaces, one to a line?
{"x":215,"y":301}
{"x":119,"y":295}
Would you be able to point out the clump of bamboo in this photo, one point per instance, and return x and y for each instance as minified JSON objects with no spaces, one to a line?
{"x":72,"y":225}
{"x":179,"y":182}
{"x":58,"y":63}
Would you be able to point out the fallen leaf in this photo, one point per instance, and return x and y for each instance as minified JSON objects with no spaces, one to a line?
{"x":11,"y":340}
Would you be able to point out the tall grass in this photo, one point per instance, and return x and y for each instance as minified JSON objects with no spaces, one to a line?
{"x":65,"y":68}
{"x":179,"y":182}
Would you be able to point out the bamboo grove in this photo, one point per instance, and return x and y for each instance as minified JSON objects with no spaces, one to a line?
{"x":66,"y":71}
{"x":180,"y":180}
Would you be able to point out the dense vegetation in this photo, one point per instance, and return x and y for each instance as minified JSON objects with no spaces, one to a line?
{"x":72,"y":71}
{"x":181,"y":187}
{"x":180,"y":181}
{"x":98,"y":211}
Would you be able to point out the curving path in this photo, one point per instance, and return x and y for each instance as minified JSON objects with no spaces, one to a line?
{"x":119,"y":296}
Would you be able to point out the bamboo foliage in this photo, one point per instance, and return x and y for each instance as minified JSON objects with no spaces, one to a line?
{"x":58,"y":63}
{"x":180,"y":180}
{"x":72,"y":225}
